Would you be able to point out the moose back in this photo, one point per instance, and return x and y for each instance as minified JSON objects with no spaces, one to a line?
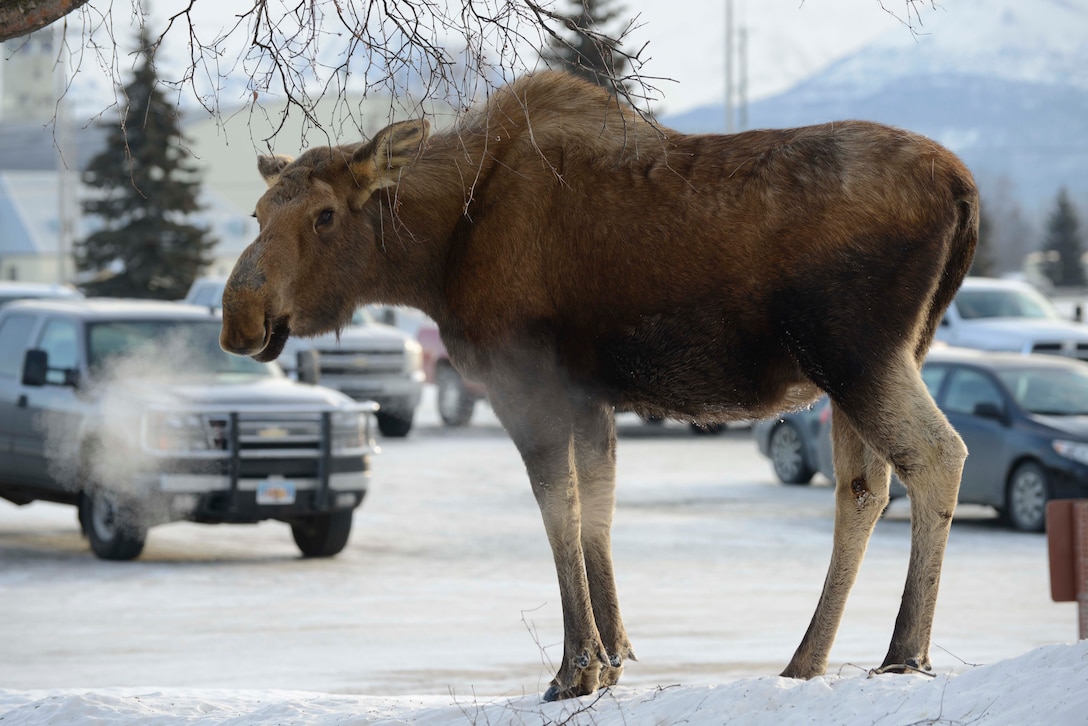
{"x":579,"y":260}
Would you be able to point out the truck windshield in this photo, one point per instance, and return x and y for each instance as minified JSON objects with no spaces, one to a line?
{"x":166,"y":348}
{"x":973,"y":304}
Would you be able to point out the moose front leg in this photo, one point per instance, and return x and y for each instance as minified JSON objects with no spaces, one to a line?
{"x":539,"y":420}
{"x":595,"y":462}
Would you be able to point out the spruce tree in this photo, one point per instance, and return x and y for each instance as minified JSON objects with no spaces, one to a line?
{"x":144,"y":185}
{"x":1063,"y":240}
{"x":584,"y":47}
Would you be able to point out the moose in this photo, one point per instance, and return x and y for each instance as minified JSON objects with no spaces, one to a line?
{"x":581,"y":259}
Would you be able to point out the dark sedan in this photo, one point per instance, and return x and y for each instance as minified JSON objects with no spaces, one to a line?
{"x":1024,"y":419}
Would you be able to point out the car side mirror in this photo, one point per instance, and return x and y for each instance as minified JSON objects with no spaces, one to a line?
{"x":989,"y":409}
{"x":309,"y":366}
{"x":35,"y":366}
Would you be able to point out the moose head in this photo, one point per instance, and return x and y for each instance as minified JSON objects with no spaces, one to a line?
{"x":313,"y":217}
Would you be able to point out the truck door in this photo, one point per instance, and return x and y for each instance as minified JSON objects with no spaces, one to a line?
{"x":15,"y":331}
{"x":48,"y":438}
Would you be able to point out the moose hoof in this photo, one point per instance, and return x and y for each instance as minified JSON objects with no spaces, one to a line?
{"x":909,"y":665}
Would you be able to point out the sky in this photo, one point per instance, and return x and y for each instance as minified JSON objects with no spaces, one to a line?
{"x":682,"y":42}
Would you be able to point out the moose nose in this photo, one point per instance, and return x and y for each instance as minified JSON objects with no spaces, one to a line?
{"x":245,"y":327}
{"x":242,"y":337}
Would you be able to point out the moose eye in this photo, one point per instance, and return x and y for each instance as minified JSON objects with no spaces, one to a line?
{"x":325,"y":217}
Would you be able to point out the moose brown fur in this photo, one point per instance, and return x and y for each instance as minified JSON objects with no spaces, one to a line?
{"x":579,"y":260}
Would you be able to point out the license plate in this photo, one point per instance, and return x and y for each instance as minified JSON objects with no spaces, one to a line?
{"x":276,"y":491}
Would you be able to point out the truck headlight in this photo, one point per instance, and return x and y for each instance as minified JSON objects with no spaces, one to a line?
{"x":413,"y":356}
{"x":349,"y":431}
{"x":1075,"y":450}
{"x":175,"y":432}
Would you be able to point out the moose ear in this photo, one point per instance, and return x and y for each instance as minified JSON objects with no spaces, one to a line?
{"x":272,"y":166}
{"x":378,"y":163}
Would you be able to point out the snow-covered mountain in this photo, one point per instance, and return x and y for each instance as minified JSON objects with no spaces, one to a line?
{"x":1003,"y":83}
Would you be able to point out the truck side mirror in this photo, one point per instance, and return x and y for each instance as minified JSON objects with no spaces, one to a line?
{"x":35,"y":366}
{"x":309,"y":366}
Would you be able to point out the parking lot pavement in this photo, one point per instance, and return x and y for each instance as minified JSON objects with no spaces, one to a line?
{"x":447,"y":583}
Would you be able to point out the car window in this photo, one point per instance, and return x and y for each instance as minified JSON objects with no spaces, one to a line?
{"x":208,"y":295}
{"x":1049,"y":392}
{"x":58,"y":340}
{"x":14,"y":340}
{"x":933,"y":376}
{"x":967,"y":389}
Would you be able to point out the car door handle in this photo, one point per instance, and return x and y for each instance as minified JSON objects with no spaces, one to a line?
{"x":21,"y":401}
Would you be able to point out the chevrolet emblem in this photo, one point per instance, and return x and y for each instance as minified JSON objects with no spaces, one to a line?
{"x":273,"y":432}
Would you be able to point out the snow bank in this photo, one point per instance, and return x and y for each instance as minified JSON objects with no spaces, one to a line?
{"x":1048,"y":684}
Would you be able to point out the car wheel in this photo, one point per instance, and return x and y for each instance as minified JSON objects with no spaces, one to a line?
{"x":394,"y":425}
{"x":788,"y":455}
{"x":1025,"y":502}
{"x":455,"y":404}
{"x":322,"y":535}
{"x":112,"y":527}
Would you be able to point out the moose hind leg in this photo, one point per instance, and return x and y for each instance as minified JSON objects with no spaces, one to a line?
{"x":929,"y":461}
{"x":595,"y":461}
{"x":861,"y":494}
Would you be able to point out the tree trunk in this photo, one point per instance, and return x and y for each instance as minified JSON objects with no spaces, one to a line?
{"x":21,"y":17}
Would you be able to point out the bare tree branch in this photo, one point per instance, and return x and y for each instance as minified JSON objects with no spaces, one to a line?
{"x":22,"y":17}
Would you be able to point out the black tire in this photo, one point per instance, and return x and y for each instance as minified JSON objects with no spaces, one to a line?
{"x":1026,"y":498}
{"x":787,"y":454}
{"x":322,"y":535}
{"x":455,"y":403}
{"x":394,"y":425}
{"x":111,"y":526}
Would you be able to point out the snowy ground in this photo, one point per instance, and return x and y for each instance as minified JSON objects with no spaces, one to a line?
{"x":444,"y":609}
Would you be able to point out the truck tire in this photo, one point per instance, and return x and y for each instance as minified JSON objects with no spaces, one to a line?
{"x":455,"y":403}
{"x":322,"y":535}
{"x":394,"y":425}
{"x":112,"y":527}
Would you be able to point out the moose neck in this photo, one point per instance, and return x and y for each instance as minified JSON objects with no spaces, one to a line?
{"x":417,"y":223}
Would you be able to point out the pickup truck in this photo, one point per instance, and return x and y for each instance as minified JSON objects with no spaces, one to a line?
{"x":366,"y":360}
{"x":130,"y":411}
{"x":1012,"y":316}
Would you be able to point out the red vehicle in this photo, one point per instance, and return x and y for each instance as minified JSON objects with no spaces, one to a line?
{"x":457,"y":396}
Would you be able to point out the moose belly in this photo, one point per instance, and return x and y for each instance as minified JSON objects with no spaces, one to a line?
{"x":698,"y":367}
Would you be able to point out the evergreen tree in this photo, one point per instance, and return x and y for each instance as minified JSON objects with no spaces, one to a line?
{"x":983,"y":264}
{"x":144,"y":186}
{"x":584,"y":48}
{"x":1064,"y":244}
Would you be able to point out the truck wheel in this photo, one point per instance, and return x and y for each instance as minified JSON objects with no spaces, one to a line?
{"x":111,"y":526}
{"x":394,"y":425}
{"x":322,"y":535}
{"x":455,"y":404}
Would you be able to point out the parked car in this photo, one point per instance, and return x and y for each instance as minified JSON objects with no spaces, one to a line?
{"x":793,"y":443}
{"x":367,"y":360}
{"x":457,"y":396}
{"x":1024,"y":418}
{"x":131,"y":411}
{"x":29,"y":290}
{"x":1008,"y":315}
